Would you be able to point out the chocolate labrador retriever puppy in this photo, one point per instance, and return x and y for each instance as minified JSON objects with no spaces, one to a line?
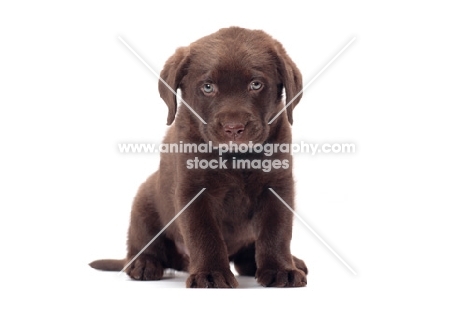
{"x":234,"y":80}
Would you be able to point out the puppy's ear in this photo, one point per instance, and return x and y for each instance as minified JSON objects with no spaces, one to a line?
{"x":173,"y":72}
{"x":291,"y":78}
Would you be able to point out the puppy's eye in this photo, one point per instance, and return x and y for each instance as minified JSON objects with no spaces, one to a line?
{"x":208,"y":88}
{"x":256,"y":85}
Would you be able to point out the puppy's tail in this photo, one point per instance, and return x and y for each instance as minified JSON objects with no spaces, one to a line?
{"x":109,"y":264}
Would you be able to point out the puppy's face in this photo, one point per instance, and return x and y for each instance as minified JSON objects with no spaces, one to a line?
{"x":234,"y":79}
{"x":234,"y":89}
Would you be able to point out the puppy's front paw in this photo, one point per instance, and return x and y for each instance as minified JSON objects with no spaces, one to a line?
{"x":281,"y":277}
{"x":300,"y":264}
{"x":214,"y":279}
{"x":145,"y":268}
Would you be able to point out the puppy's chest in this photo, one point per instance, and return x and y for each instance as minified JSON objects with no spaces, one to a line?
{"x":237,"y":211}
{"x":239,"y":194}
{"x":235,"y":219}
{"x":238,"y":204}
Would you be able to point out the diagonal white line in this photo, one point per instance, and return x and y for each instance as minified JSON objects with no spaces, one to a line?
{"x":162,"y":230}
{"x":313,"y":231}
{"x":313,"y":79}
{"x":159,"y":77}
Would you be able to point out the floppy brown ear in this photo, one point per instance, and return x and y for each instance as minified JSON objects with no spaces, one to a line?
{"x":172,"y":73}
{"x":291,"y":78}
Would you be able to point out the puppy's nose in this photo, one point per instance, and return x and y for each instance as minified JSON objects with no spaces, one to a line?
{"x":233,"y":130}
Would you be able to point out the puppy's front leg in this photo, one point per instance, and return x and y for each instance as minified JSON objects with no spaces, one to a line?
{"x":275,"y":263}
{"x":209,"y":263}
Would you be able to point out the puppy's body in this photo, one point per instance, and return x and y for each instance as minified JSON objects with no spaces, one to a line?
{"x":234,"y":80}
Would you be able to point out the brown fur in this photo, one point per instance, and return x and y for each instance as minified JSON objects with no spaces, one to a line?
{"x":236,"y":218}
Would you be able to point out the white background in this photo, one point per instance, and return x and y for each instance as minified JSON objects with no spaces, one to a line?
{"x":395,"y":211}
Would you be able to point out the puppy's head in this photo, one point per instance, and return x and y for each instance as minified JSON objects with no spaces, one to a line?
{"x":234,"y":80}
